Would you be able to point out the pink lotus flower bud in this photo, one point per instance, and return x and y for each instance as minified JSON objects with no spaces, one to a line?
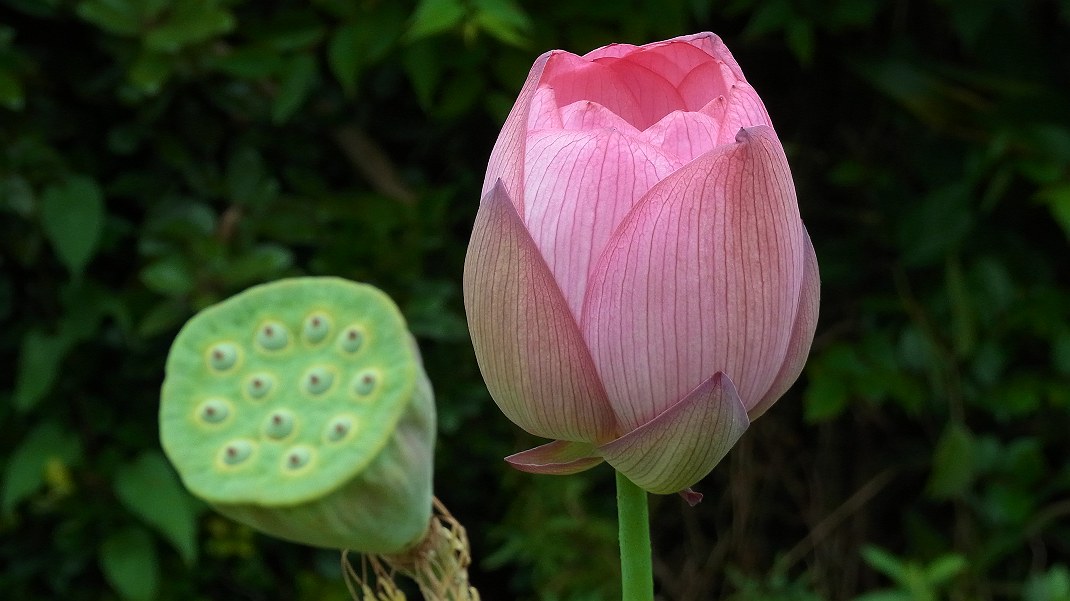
{"x":639,"y":284}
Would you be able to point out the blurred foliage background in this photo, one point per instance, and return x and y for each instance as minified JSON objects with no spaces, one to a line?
{"x":160,"y":155}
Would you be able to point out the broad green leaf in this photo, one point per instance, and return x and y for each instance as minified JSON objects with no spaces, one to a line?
{"x":170,"y":276}
{"x":248,"y":182}
{"x":248,"y":63}
{"x":17,"y":196}
{"x":150,"y":71}
{"x":190,"y":22}
{"x":292,"y":31}
{"x":825,"y":397}
{"x":1060,"y":352}
{"x":800,"y":39}
{"x":424,"y":68}
{"x":364,"y":40}
{"x":1058,"y":200}
{"x":297,"y":78}
{"x":39,"y":361}
{"x":149,"y":488}
{"x":128,"y":560}
{"x":964,"y":332}
{"x":1054,"y":585}
{"x":12,"y":95}
{"x":945,"y":568}
{"x":162,"y":317}
{"x":25,"y":470}
{"x":953,"y":468}
{"x":72,"y":215}
{"x":886,"y":595}
{"x":885,"y":563}
{"x":769,"y":17}
{"x":37,"y":8}
{"x":344,"y":56}
{"x":119,"y":17}
{"x":435,"y":16}
{"x":263,"y":262}
{"x":504,"y":20}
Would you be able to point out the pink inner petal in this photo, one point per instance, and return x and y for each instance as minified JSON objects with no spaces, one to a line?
{"x":654,"y":95}
{"x":579,"y":186}
{"x":640,"y":96}
{"x":544,"y":112}
{"x":704,"y":83}
{"x":683,"y":135}
{"x":673,"y":61}
{"x":586,"y":115}
{"x":741,"y":108}
{"x":611,"y":50}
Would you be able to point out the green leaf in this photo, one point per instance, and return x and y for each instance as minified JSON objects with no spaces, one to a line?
{"x":25,"y":470}
{"x":885,"y":563}
{"x":12,"y":95}
{"x":1058,"y":200}
{"x":72,"y":215}
{"x":170,"y":276}
{"x":953,"y":468}
{"x":770,"y":17}
{"x":297,"y":78}
{"x":424,"y":68}
{"x":344,"y":56}
{"x":248,"y":182}
{"x":363,"y":41}
{"x":963,"y":324}
{"x":128,"y":560}
{"x":886,"y":595}
{"x":801,"y":41}
{"x":119,"y":17}
{"x":504,"y":20}
{"x":189,"y":22}
{"x":150,"y":72}
{"x":294,"y":31}
{"x":1054,"y":585}
{"x":149,"y":488}
{"x":1060,"y":352}
{"x":249,"y":63}
{"x":263,"y":262}
{"x":162,"y":317}
{"x":945,"y":568}
{"x":39,"y":361}
{"x":435,"y":16}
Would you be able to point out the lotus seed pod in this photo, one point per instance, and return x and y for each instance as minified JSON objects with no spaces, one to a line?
{"x":301,"y":408}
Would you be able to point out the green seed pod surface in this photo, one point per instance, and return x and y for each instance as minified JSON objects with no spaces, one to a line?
{"x":300,"y":407}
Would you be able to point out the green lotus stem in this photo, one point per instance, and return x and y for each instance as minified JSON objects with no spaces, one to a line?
{"x":637,"y":575}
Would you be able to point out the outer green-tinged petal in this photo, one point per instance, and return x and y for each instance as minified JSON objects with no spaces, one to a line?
{"x":802,"y":334}
{"x":527,"y":343}
{"x":679,"y":447}
{"x":560,"y":457}
{"x":703,"y":276}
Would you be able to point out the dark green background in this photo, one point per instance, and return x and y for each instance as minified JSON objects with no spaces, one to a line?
{"x":160,"y":155}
